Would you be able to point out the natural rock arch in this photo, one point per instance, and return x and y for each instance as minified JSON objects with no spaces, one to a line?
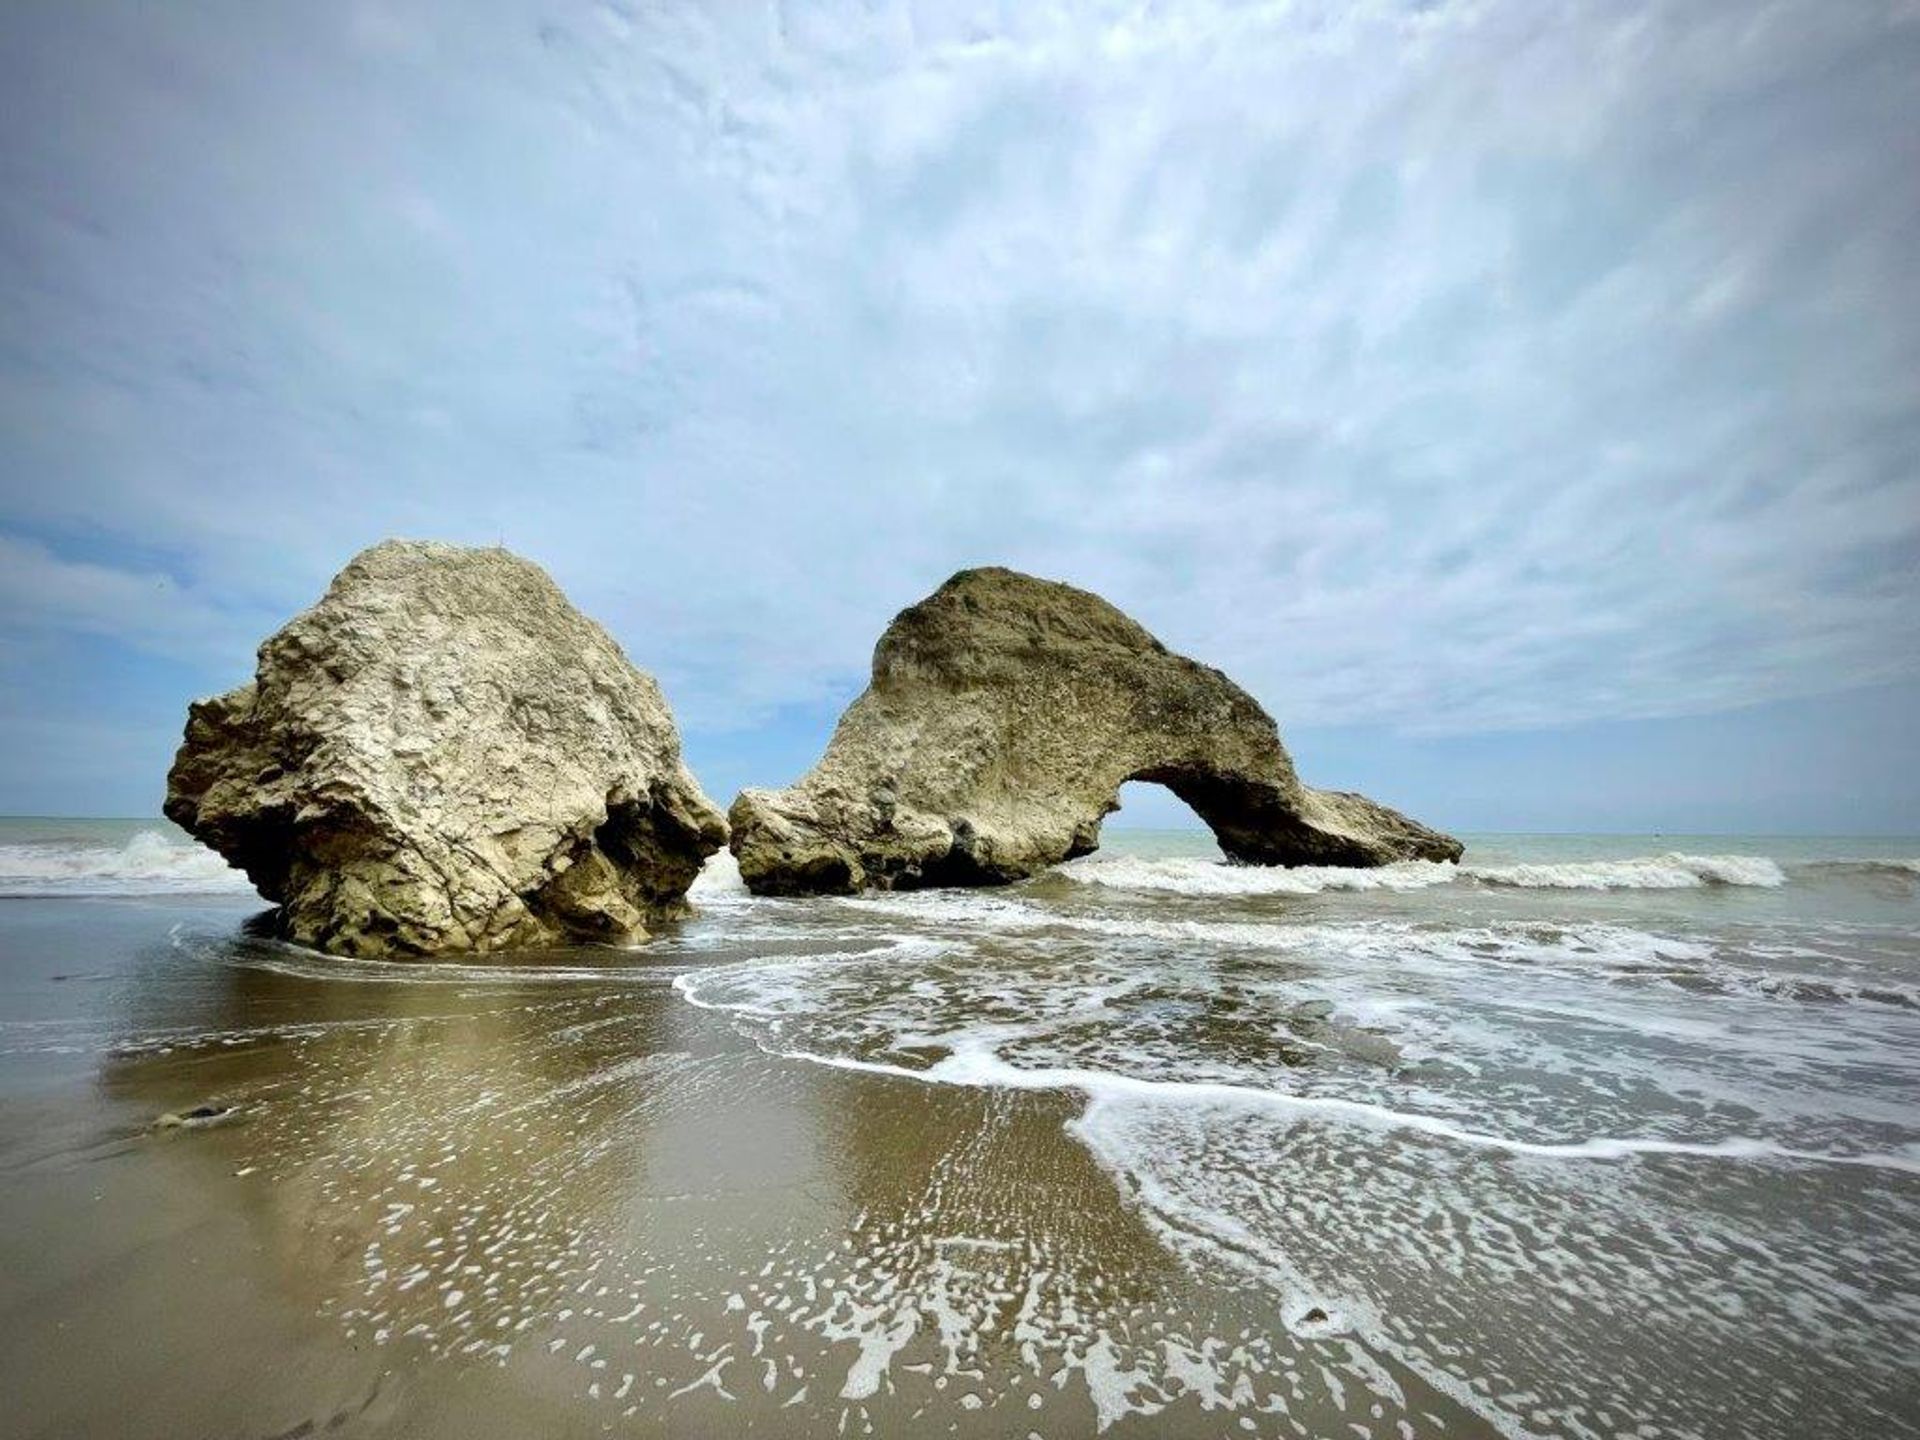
{"x":1004,"y":714}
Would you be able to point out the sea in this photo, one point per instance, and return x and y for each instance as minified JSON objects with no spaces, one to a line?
{"x":1587,"y":1135}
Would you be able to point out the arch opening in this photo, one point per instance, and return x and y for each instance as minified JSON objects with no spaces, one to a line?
{"x":1152,"y":813}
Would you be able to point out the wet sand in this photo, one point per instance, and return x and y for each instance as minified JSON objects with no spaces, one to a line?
{"x":1589,"y":1144}
{"x":505,"y":1204}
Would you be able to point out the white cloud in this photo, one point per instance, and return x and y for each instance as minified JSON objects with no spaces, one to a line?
{"x":1446,"y":366}
{"x":41,"y":593}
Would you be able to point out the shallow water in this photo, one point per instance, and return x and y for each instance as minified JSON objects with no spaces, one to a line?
{"x":1590,"y":1136}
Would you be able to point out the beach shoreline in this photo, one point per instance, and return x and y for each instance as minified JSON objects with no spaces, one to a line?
{"x":704,"y":1186}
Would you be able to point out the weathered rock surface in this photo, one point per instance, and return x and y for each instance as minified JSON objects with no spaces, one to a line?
{"x":444,"y":755}
{"x":1004,"y":714}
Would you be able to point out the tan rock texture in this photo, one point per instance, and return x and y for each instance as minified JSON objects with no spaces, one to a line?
{"x":443,"y":755}
{"x":1005,"y":713}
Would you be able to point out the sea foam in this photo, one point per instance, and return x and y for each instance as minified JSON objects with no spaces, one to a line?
{"x":1189,"y":876}
{"x":1672,"y":871}
{"x":982,"y":1069}
{"x":149,"y":863}
{"x":719,"y":882}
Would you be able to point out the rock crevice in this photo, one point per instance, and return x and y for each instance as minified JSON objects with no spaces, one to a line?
{"x":1003,"y":716}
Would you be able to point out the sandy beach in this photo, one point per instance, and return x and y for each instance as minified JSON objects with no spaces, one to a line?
{"x":677,"y":1191}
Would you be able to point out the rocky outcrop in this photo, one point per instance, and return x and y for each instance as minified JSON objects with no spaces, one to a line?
{"x":1005,"y":713}
{"x":444,"y":755}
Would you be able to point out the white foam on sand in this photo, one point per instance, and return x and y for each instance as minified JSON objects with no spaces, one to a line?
{"x":984,"y":1070}
{"x":1415,"y":1135}
{"x":752,"y":992}
{"x":1236,"y":1161}
{"x":150,"y":863}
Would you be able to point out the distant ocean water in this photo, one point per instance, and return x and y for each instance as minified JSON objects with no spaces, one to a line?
{"x":1588,"y":1135}
{"x":84,"y":856}
{"x":51,"y":856}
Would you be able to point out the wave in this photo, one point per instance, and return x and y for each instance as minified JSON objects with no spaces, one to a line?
{"x":981,"y":1068}
{"x":719,"y":882}
{"x":148,"y":864}
{"x":1617,"y":955}
{"x":1192,"y":876}
{"x":1672,"y":871}
{"x":1903,"y":868}
{"x":153,"y":863}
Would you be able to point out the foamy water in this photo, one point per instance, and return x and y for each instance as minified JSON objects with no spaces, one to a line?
{"x":1478,"y":1118}
{"x":65,"y":857}
{"x":120,"y":857}
{"x":1670,"y":871}
{"x":1582,"y":1137}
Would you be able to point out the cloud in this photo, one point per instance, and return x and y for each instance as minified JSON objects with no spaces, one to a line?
{"x":1438,"y":367}
{"x":42,"y":595}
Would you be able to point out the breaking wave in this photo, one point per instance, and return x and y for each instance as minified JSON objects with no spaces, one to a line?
{"x":1187,"y":876}
{"x":152,"y":863}
{"x":148,"y":864}
{"x":719,"y":882}
{"x":1672,"y":871}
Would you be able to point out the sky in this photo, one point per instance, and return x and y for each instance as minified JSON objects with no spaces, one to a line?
{"x":1520,"y":398}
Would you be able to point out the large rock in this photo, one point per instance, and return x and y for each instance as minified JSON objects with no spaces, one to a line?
{"x":1005,"y":713}
{"x":444,"y":755}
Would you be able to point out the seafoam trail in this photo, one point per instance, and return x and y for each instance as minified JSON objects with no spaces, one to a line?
{"x":982,"y":1069}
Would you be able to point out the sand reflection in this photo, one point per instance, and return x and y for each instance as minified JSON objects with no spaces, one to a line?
{"x":556,"y":1176}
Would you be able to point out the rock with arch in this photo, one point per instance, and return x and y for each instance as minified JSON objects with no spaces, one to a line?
{"x":1004,"y":714}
